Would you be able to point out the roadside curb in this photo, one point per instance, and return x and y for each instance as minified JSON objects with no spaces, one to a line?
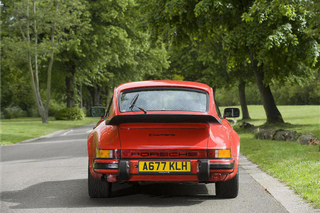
{"x":44,"y":136}
{"x":37,"y":138}
{"x":282,"y":193}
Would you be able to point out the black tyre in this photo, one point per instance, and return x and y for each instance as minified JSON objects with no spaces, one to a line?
{"x":229,"y":188}
{"x":97,"y":188}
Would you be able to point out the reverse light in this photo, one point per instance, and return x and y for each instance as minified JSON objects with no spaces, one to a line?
{"x":107,"y":153}
{"x":219,"y":153}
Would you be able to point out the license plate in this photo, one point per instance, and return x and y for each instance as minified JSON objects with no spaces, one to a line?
{"x":164,"y":166}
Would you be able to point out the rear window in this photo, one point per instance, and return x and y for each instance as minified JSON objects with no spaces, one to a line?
{"x":164,"y":100}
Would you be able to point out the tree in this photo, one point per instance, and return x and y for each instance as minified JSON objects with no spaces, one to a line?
{"x":288,"y":53}
{"x":113,"y":49}
{"x":37,"y":32}
{"x":271,"y":35}
{"x":206,"y":61}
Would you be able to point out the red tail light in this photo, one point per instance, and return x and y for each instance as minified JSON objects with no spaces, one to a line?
{"x":127,"y":153}
{"x":211,"y":153}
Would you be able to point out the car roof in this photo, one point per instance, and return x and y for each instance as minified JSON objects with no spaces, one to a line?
{"x":166,"y":83}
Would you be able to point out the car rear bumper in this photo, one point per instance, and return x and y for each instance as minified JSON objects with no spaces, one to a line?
{"x":202,"y":170}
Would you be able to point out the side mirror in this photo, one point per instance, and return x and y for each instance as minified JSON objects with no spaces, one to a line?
{"x":97,"y":111}
{"x":231,"y":113}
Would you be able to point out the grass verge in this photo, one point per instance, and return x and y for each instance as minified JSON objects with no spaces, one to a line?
{"x":295,"y":164}
{"x":20,"y":129}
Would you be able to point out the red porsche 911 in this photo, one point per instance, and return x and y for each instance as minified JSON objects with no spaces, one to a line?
{"x":163,"y":131}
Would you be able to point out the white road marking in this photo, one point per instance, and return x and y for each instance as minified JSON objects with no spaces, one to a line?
{"x":89,"y":131}
{"x":50,"y":142}
{"x":67,"y":132}
{"x":83,"y":133}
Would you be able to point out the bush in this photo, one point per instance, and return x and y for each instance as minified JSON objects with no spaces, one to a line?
{"x":33,"y":112}
{"x":55,"y":106}
{"x":88,"y":113}
{"x":2,"y":115}
{"x":13,"y":112}
{"x":71,"y":113}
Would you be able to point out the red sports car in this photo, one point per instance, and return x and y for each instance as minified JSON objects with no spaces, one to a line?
{"x":169,"y":131}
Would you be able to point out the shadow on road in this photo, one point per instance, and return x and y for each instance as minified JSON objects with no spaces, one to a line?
{"x":73,"y":194}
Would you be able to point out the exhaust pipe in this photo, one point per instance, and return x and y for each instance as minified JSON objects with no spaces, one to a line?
{"x":104,"y":178}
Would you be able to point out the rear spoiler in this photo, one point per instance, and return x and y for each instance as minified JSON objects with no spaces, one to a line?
{"x":162,"y":118}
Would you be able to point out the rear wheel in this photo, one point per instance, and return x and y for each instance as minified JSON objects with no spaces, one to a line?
{"x":97,"y":188}
{"x":229,"y":188}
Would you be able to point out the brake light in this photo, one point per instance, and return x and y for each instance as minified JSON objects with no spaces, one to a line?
{"x":219,"y":153}
{"x":107,"y":153}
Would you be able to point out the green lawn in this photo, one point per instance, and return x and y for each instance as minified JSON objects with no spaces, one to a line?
{"x":295,"y":164}
{"x":302,"y":118}
{"x":20,"y":129}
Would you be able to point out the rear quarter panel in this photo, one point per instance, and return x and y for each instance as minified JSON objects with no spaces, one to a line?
{"x":224,"y":137}
{"x":102,"y":137}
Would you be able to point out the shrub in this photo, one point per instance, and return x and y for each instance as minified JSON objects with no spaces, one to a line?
{"x":13,"y":112}
{"x":88,"y":113}
{"x":71,"y":113}
{"x":2,"y":115}
{"x":55,"y":106}
{"x":33,"y":112}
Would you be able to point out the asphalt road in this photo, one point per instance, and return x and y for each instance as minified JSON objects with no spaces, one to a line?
{"x":50,"y":175}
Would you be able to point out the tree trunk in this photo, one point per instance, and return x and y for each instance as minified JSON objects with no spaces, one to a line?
{"x":97,"y":94}
{"x":49,"y":71}
{"x":43,"y":110}
{"x":80,"y":94}
{"x":272,"y":112}
{"x":92,"y":96}
{"x":70,"y":89}
{"x":88,"y":104}
{"x":243,"y":101}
